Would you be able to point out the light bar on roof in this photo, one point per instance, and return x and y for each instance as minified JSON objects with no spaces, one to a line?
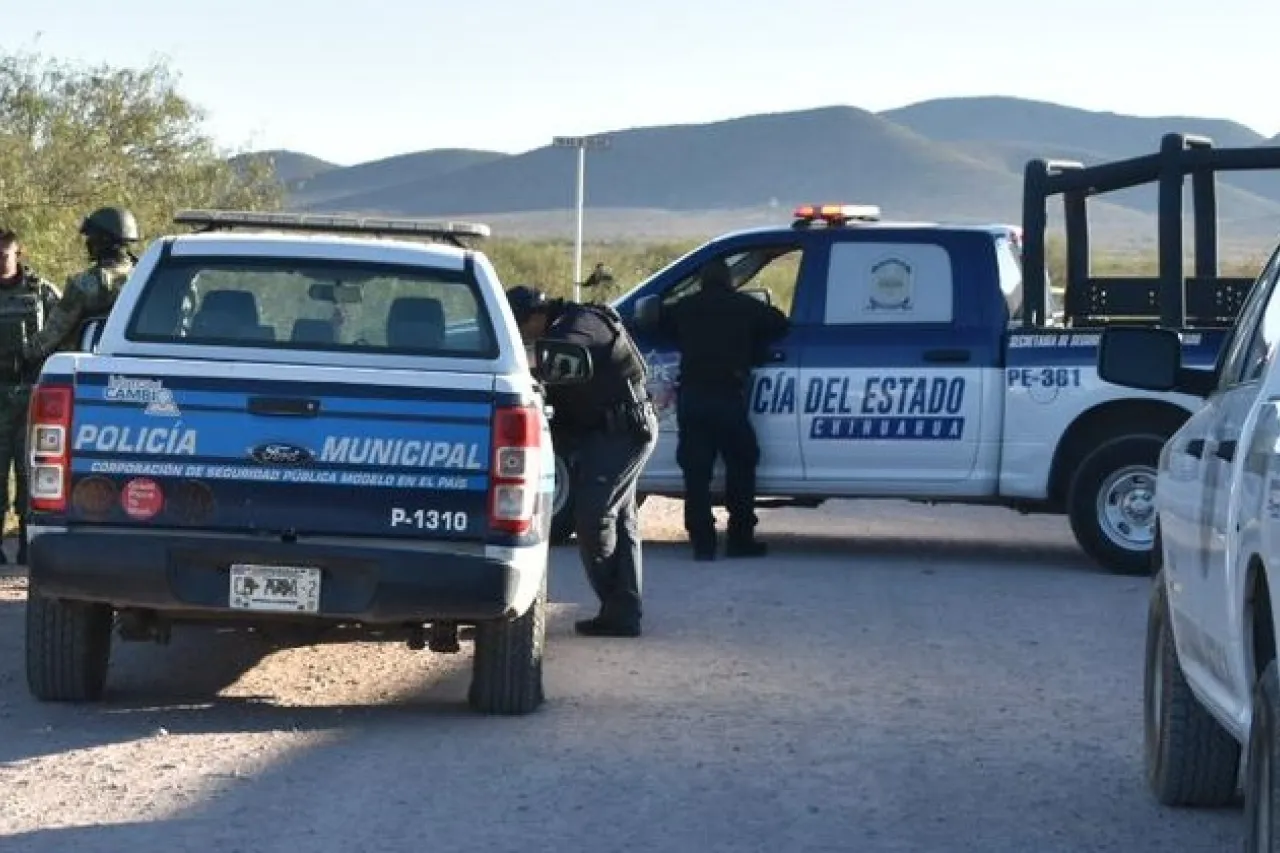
{"x":836,"y":214}
{"x":328,"y":223}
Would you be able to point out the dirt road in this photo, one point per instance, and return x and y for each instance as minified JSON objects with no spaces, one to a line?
{"x":921,"y":680}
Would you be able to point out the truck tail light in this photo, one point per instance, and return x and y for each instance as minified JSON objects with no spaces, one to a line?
{"x":49,"y":446}
{"x":513,"y":477}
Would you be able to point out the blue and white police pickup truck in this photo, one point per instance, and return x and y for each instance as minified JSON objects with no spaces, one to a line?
{"x":905,"y":376}
{"x":929,"y":362}
{"x":317,"y":430}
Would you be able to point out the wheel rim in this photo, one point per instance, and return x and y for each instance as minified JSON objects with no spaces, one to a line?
{"x":1126,"y":507}
{"x":562,"y":486}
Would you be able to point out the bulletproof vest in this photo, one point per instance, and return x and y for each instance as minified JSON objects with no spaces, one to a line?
{"x":618,"y":376}
{"x":21,"y":315}
{"x":623,"y":354}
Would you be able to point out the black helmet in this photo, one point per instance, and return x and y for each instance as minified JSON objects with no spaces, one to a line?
{"x":524,"y":300}
{"x":114,"y":223}
{"x":716,"y":274}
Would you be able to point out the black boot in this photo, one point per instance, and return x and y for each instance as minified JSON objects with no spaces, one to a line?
{"x":601,"y":627}
{"x":704,"y":545}
{"x":22,"y":544}
{"x":704,"y":550}
{"x":614,"y":619}
{"x":745,"y":546}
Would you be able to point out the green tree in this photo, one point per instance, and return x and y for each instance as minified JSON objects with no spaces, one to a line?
{"x":73,"y":138}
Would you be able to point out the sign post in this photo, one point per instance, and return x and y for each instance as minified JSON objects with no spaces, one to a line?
{"x":581,"y":143}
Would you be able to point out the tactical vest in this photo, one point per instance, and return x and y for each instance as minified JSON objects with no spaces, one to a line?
{"x":630,"y":363}
{"x":110,"y":279}
{"x":21,"y":318}
{"x":616,"y":384}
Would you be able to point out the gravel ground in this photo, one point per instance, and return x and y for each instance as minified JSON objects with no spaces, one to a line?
{"x":891,"y":679}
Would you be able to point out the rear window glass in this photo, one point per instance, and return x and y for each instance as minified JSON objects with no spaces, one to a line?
{"x":314,"y":305}
{"x":1009,"y":261}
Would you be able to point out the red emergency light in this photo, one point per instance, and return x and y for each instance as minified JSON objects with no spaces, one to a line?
{"x":835,"y":214}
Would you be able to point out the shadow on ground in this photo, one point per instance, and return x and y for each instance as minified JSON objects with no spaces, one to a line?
{"x":178,"y":686}
{"x":647,"y":754}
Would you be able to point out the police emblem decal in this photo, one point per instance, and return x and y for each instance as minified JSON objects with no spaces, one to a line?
{"x":891,"y":285}
{"x":156,"y":399}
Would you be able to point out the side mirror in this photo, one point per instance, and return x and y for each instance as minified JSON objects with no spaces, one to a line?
{"x":561,"y":363}
{"x":648,"y":310}
{"x":1148,"y":359}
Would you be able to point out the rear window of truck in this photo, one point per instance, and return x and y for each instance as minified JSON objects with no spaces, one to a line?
{"x":308,"y":304}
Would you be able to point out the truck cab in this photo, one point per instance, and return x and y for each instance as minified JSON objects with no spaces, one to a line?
{"x":885,"y":382}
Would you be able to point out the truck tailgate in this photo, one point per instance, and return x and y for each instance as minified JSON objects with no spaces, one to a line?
{"x":367,"y":456}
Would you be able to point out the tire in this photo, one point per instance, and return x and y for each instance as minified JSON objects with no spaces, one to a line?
{"x":506,"y":674}
{"x":1111,"y":503}
{"x":68,"y":649}
{"x":1191,"y":760}
{"x":562,"y":523}
{"x":1261,"y":786}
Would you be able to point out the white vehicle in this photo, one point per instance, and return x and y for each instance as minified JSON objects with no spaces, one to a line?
{"x":1211,"y":679}
{"x":325,"y":430}
{"x":928,"y":362}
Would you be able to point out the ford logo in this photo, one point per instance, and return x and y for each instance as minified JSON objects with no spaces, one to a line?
{"x":280,"y":454}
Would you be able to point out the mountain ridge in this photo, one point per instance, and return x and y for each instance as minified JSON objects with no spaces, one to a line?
{"x":938,"y":159}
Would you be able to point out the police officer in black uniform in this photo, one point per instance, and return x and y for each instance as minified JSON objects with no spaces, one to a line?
{"x":613,"y":428}
{"x":721,"y":334}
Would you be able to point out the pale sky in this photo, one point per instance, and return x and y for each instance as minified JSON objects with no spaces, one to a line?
{"x":354,"y":80}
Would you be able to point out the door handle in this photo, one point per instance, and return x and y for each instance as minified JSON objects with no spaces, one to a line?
{"x":1195,"y":447}
{"x":1226,"y":450}
{"x":948,"y":356}
{"x":295,"y":407}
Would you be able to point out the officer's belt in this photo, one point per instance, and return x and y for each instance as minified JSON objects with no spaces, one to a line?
{"x":609,"y":414}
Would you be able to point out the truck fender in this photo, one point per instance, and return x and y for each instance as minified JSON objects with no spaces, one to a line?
{"x":1103,"y":475}
{"x":1104,"y":421}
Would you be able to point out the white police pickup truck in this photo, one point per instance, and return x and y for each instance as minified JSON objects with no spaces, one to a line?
{"x":926,"y":362}
{"x":317,"y":430}
{"x":1211,"y":677}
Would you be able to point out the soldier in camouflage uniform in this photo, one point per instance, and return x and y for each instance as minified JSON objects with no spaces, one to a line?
{"x":107,"y":232}
{"x":26,"y":300}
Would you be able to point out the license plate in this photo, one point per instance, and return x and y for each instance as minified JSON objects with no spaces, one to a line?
{"x":280,"y":589}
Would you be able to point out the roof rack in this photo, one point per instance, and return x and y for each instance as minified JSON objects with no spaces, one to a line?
{"x":326,"y":223}
{"x":1214,"y":300}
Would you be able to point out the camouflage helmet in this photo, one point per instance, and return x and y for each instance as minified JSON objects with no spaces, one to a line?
{"x":115,"y":223}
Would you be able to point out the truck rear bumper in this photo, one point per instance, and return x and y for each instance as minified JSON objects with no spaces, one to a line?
{"x":184,"y":573}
